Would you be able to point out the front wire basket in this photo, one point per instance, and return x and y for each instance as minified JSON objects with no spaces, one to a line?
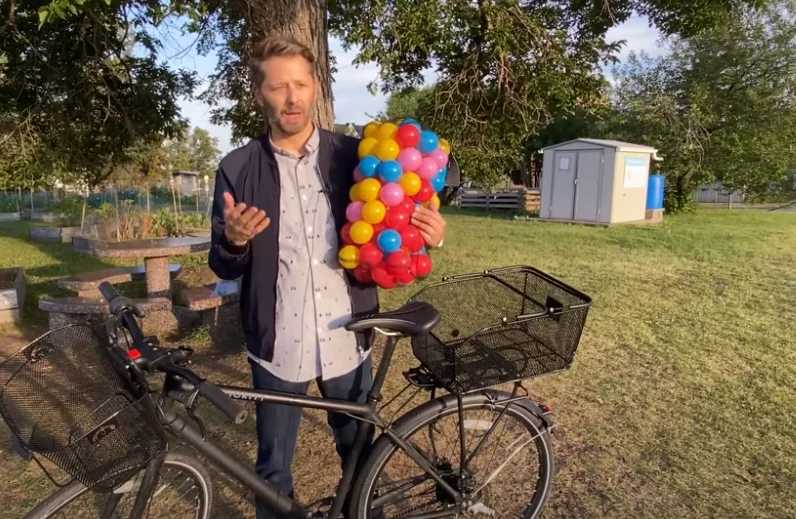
{"x":63,"y":399}
{"x":499,"y":326}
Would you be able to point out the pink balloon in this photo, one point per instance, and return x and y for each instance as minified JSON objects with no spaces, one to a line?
{"x":354,"y":211}
{"x":391,"y":194}
{"x":428,"y":168}
{"x":440,"y":157}
{"x":359,"y":176}
{"x":410,"y":159}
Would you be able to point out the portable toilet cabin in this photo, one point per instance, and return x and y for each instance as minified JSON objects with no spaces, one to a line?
{"x":595,"y":181}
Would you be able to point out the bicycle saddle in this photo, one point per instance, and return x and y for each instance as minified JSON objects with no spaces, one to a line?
{"x":413,"y":318}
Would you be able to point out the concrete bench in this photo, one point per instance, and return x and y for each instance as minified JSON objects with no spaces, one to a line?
{"x":86,"y":283}
{"x":216,"y":304}
{"x":74,"y":310}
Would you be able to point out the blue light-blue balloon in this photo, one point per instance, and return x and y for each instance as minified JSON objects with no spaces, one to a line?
{"x":390,"y":171}
{"x":409,"y":120}
{"x":368,"y":165}
{"x":413,"y":123}
{"x":438,"y":182}
{"x":389,"y":241}
{"x":428,"y":141}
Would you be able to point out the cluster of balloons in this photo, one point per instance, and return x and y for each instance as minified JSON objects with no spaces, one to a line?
{"x":401,"y":167}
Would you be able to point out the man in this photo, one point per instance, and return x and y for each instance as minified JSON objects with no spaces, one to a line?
{"x":280,"y":203}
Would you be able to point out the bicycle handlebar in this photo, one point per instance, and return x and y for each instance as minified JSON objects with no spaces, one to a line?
{"x":124,"y":309}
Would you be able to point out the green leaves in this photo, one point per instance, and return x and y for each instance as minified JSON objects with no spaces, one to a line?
{"x":719,"y":106}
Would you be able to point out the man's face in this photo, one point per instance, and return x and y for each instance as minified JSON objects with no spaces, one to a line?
{"x":287,"y":93}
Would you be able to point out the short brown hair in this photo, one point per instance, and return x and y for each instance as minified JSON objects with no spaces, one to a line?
{"x":276,"y":46}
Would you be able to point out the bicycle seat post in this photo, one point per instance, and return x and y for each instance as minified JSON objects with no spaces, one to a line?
{"x":374,"y":395}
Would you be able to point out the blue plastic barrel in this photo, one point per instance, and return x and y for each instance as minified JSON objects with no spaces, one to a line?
{"x":655,"y":192}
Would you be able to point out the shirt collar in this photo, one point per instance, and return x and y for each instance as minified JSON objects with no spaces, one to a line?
{"x":311,"y":146}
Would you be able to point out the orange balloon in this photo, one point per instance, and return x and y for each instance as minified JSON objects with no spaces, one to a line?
{"x":374,"y":212}
{"x":434,"y":203}
{"x":388,"y":149}
{"x":353,"y":193}
{"x":349,"y":257}
{"x":367,"y":146}
{"x":411,"y":183}
{"x":371,"y":130}
{"x":445,"y":145}
{"x":386,"y":132}
{"x":361,"y":232}
{"x":368,"y":189}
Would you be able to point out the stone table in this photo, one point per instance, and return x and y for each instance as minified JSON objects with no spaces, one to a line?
{"x":155,"y":252}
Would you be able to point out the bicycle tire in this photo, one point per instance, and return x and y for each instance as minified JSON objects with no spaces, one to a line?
{"x":429,"y":412}
{"x":67,"y":494}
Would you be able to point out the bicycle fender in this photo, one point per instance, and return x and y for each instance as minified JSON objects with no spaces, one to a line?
{"x":531,"y":406}
{"x":447,"y":401}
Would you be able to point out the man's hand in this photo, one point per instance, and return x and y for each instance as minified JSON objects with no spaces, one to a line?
{"x":431,"y":225}
{"x":241,"y":224}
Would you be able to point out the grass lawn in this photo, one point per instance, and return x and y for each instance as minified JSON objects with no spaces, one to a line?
{"x":681,"y":401}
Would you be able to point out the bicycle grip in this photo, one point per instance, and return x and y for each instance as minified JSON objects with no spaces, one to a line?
{"x":107,"y":291}
{"x":222,"y":402}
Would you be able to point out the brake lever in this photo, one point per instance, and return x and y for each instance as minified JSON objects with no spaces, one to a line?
{"x":192,"y":414}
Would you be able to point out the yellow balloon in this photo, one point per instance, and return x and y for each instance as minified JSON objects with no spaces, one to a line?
{"x":434,"y":203}
{"x":374,"y":212}
{"x":353,"y":193}
{"x":411,"y":183}
{"x":445,"y":145}
{"x":387,"y":150}
{"x":371,"y":130}
{"x":367,"y":146}
{"x":361,"y":232}
{"x":368,"y":189}
{"x":386,"y":132}
{"x":349,"y":257}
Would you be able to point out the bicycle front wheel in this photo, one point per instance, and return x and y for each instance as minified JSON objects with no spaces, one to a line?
{"x":507,"y":471}
{"x":184,"y":490}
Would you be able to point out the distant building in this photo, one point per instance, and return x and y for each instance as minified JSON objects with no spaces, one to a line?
{"x":350,"y":129}
{"x":187,"y":183}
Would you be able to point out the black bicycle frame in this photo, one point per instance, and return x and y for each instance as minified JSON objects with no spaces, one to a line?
{"x":366,"y":413}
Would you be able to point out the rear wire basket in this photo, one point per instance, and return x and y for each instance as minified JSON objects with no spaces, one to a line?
{"x":65,"y":401}
{"x":499,"y":326}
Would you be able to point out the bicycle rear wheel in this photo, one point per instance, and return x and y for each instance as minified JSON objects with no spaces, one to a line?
{"x":510,"y":476}
{"x":184,"y":490}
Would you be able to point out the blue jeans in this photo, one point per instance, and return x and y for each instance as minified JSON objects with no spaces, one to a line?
{"x":278,"y":425}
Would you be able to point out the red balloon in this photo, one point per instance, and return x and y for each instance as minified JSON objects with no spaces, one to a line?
{"x":411,"y":239}
{"x":345,"y":234}
{"x":404,"y":277}
{"x":413,"y":267}
{"x":362,"y":275}
{"x":383,"y":278}
{"x":407,"y":136}
{"x":377,"y":229}
{"x":399,"y":261}
{"x":370,"y":255}
{"x":408,"y":205}
{"x":396,"y":218}
{"x":422,"y":265}
{"x":425,"y":193}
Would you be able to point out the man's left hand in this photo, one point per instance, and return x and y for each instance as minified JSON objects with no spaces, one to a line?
{"x":431,"y":225}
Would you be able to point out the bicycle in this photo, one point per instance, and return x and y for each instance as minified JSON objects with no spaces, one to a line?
{"x":116,"y":450}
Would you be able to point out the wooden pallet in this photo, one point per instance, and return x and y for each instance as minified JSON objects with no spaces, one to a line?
{"x":512,"y":200}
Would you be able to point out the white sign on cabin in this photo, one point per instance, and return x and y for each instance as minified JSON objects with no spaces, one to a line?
{"x":636,"y":172}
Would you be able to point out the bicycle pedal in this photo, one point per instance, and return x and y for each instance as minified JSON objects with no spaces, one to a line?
{"x":420,"y":378}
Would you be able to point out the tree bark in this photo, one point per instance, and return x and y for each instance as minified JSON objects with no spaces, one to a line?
{"x":305,"y":20}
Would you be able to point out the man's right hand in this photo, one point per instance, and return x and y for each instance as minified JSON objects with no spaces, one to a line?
{"x":241,"y":224}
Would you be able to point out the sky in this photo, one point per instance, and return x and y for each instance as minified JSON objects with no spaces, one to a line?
{"x":352,"y":102}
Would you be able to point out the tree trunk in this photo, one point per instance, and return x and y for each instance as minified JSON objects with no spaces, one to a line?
{"x":305,"y":20}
